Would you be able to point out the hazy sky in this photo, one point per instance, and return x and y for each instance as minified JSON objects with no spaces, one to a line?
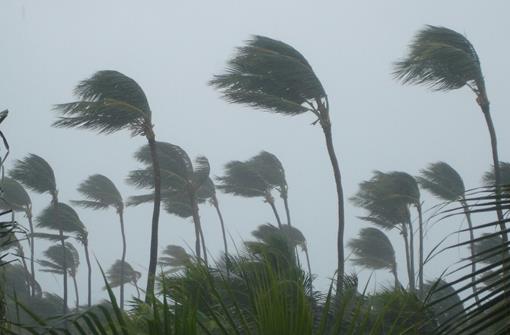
{"x":173,"y":48}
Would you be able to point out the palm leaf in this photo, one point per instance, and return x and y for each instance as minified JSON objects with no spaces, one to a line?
{"x":373,"y":250}
{"x":35,"y":173}
{"x":443,"y":181}
{"x":68,"y":219}
{"x":14,"y":196}
{"x":100,"y":193}
{"x":241,"y":179}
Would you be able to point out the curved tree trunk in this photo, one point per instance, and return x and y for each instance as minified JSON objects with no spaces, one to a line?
{"x":270,"y":201}
{"x":89,"y":274}
{"x":76,"y":292}
{"x":137,"y":289}
{"x":472,"y":247}
{"x":287,"y":211}
{"x":412,"y":280}
{"x":326,"y":126}
{"x":395,"y":276}
{"x":151,"y":276}
{"x":123,"y":259}
{"x":62,"y":243}
{"x":410,"y":274}
{"x":202,"y":239}
{"x":421,"y":263}
{"x":309,"y":268}
{"x":28,"y":212}
{"x":222,"y":223}
{"x":199,"y":235}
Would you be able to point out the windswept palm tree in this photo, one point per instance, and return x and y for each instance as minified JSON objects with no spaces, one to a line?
{"x":242,"y":179}
{"x":15,"y":197}
{"x":489,"y":178}
{"x":64,"y":263}
{"x":123,"y":273}
{"x":373,"y":250}
{"x":445,"y":183}
{"x":181,"y":181}
{"x":101,"y":193}
{"x":445,"y":60}
{"x":273,"y":76}
{"x":37,"y":175}
{"x":272,"y":171}
{"x":110,"y":101}
{"x":175,"y":258}
{"x":208,"y":191}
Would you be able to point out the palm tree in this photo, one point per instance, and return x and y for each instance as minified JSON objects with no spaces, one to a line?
{"x":110,"y":101}
{"x":445,"y":183}
{"x":175,"y":258}
{"x":64,"y":263}
{"x":373,"y":250}
{"x":208,"y":191}
{"x":489,"y":178}
{"x":15,"y":197}
{"x":37,"y":175}
{"x":121,"y":273}
{"x":181,"y":181}
{"x":445,"y":60}
{"x":101,"y":193}
{"x":271,"y":75}
{"x":242,"y":179}
{"x":68,"y":223}
{"x":271,"y":170}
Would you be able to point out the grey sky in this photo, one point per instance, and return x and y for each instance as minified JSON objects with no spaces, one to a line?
{"x":173,"y":48}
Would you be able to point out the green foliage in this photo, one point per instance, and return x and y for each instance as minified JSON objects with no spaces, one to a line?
{"x":35,"y":173}
{"x":443,"y":181}
{"x":100,"y":193}
{"x":115,"y":278}
{"x":68,"y":219}
{"x":242,"y":179}
{"x":14,"y":196}
{"x":489,"y":179}
{"x":373,"y":250}
{"x":56,"y":257}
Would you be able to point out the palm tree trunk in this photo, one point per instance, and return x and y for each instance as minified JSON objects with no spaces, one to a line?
{"x":412,"y":280}
{"x":410,"y":274}
{"x":421,"y":263}
{"x":76,"y":292}
{"x":29,"y":277}
{"x":62,"y":242}
{"x":151,"y":277}
{"x":199,"y":234}
{"x":28,"y":213}
{"x":309,"y":267}
{"x":287,"y":211}
{"x":395,"y":275}
{"x":326,"y":126}
{"x":123,"y":260}
{"x":89,"y":274}
{"x":472,"y":247}
{"x":222,"y":223}
{"x":202,"y":239}
{"x":137,"y":289}
{"x":270,"y":201}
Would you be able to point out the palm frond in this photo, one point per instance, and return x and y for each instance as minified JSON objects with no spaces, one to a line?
{"x":100,"y":193}
{"x":442,"y":59}
{"x":201,"y":170}
{"x":68,"y":220}
{"x":443,"y":181}
{"x":35,"y":173}
{"x":14,"y":196}
{"x":114,"y":274}
{"x":270,"y":168}
{"x":269,"y":75}
{"x":175,"y":256}
{"x":109,"y":101}
{"x":373,"y":250}
{"x":56,"y":257}
{"x":241,"y":179}
{"x":504,"y":170}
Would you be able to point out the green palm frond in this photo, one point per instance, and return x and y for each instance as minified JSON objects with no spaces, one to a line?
{"x":56,"y":257}
{"x":269,"y":75}
{"x":442,"y":59}
{"x":373,"y":250}
{"x":114,"y":274}
{"x":270,"y":168}
{"x":201,"y":170}
{"x":13,"y":196}
{"x":443,"y":181}
{"x":175,"y":256}
{"x":68,"y":219}
{"x":100,"y":193}
{"x":242,"y":180}
{"x":206,"y":191}
{"x":489,"y":179}
{"x":109,"y":101}
{"x":35,"y":173}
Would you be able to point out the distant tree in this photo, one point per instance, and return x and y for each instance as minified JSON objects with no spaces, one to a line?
{"x":120,"y":274}
{"x":373,"y":250}
{"x":110,"y":101}
{"x":64,"y":263}
{"x":273,"y":76}
{"x":101,"y":193}
{"x":175,"y":258}
{"x":489,"y":178}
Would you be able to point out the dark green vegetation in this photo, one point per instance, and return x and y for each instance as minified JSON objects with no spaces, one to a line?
{"x":262,"y":288}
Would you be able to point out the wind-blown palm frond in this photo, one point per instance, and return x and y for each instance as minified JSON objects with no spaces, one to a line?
{"x":35,"y":173}
{"x":100,"y":193}
{"x":115,"y":278}
{"x":54,"y":261}
{"x":443,"y":181}
{"x":442,"y":59}
{"x":109,"y":101}
{"x":242,"y":180}
{"x":68,"y":219}
{"x":175,"y":257}
{"x":201,"y":170}
{"x":270,"y":169}
{"x":489,"y":179}
{"x":373,"y":250}
{"x":13,"y":196}
{"x":270,"y":75}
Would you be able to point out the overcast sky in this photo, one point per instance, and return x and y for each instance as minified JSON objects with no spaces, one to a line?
{"x":173,"y":48}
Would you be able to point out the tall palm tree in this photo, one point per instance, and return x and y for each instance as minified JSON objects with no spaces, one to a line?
{"x":37,"y":175}
{"x":110,"y":101}
{"x":15,"y":197}
{"x":181,"y":181}
{"x":242,"y":179}
{"x":373,"y":250}
{"x":208,"y":191}
{"x":445,"y":183}
{"x":101,"y":193}
{"x":121,"y":273}
{"x":68,"y":223}
{"x":62,"y":262}
{"x":271,"y":75}
{"x":445,"y":60}
{"x":272,"y":171}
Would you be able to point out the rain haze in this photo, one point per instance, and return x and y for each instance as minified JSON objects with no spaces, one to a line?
{"x":172,"y":49}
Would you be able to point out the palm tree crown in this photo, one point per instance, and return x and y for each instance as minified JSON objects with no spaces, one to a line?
{"x":35,"y":173}
{"x":100,"y":193}
{"x":14,"y":196}
{"x":443,"y":181}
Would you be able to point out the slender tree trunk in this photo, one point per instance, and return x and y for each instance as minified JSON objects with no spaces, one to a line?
{"x":270,"y":201}
{"x":421,"y":263}
{"x":62,"y":243}
{"x":151,"y":276}
{"x":123,"y":259}
{"x":395,"y":275}
{"x":196,"y":223}
{"x":412,"y":284}
{"x":222,"y":223}
{"x":309,"y":268}
{"x":472,"y":247}
{"x":89,"y":274}
{"x":76,"y":292}
{"x":137,"y":289}
{"x":202,"y":239}
{"x":326,"y":126}
{"x":410,"y":274}
{"x":287,"y":211}
{"x":28,"y":276}
{"x":28,"y":212}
